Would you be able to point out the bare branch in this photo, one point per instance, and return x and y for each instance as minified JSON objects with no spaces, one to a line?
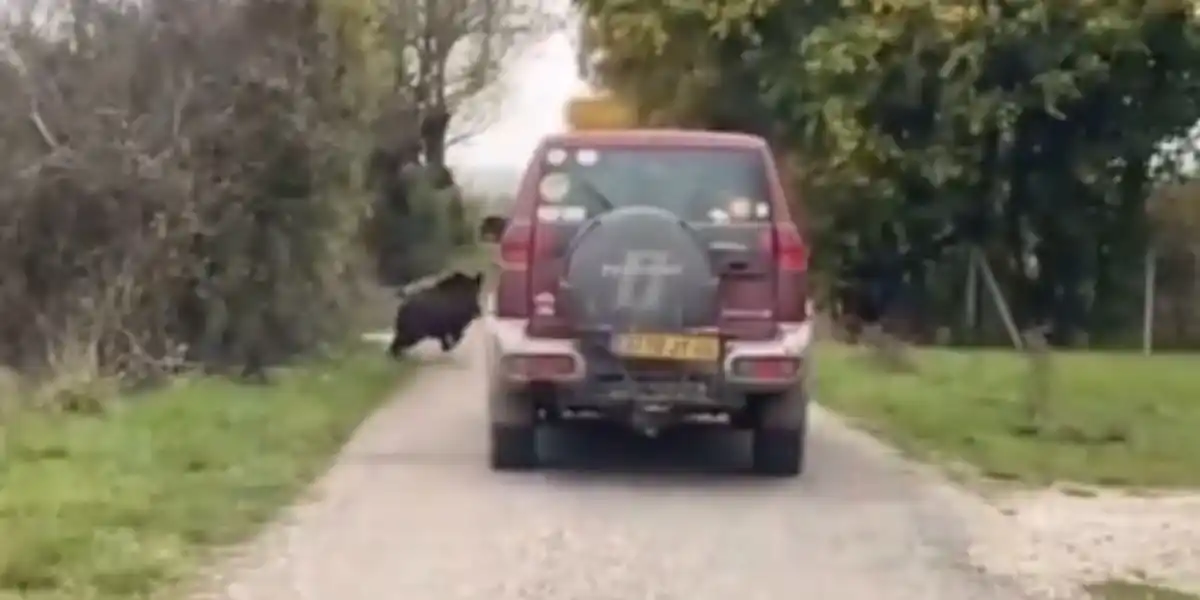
{"x":454,"y":51}
{"x":23,"y":70}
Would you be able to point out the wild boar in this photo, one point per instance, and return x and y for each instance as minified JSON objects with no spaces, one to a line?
{"x":442,"y":311}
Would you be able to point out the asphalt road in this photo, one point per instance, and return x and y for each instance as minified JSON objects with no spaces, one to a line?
{"x":411,"y":512}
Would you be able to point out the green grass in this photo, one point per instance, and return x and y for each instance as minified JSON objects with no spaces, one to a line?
{"x":1113,"y":419}
{"x":119,"y":505}
{"x":1126,"y":590}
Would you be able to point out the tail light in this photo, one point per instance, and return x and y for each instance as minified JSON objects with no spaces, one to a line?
{"x":521,"y":245}
{"x":550,"y":367}
{"x":515,"y":246}
{"x":766,"y":368}
{"x":791,"y":253}
{"x":785,"y":243}
{"x":523,"y":242}
{"x":512,"y":285}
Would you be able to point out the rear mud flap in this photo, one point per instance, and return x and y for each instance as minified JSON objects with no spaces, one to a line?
{"x":507,"y":406}
{"x":788,"y":410}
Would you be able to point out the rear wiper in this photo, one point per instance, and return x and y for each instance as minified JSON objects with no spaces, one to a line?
{"x":608,"y":205}
{"x":596,"y":194}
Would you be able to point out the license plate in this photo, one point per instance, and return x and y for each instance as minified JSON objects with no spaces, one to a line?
{"x":667,"y":347}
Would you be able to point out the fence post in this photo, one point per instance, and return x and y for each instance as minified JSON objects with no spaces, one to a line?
{"x":998,"y":297}
{"x":971,"y":303}
{"x":1151,"y":277}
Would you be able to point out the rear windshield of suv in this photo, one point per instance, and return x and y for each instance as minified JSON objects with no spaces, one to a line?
{"x":698,"y":185}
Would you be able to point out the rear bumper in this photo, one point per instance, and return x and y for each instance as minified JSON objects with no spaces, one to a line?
{"x":508,"y":338}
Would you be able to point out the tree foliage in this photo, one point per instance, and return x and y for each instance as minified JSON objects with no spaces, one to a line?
{"x":1031,"y":130}
{"x":446,"y":57}
{"x":186,"y":182}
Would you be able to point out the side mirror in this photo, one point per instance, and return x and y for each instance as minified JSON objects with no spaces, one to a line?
{"x":492,"y":228}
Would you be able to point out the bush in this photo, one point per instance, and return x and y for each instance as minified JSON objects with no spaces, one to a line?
{"x":458,"y":219}
{"x":418,"y":222}
{"x":184,"y":182}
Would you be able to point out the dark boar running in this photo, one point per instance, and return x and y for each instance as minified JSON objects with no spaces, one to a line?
{"x":442,"y":311}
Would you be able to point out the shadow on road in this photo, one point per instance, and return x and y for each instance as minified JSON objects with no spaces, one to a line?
{"x":599,"y":448}
{"x":599,"y":451}
{"x":580,"y":449}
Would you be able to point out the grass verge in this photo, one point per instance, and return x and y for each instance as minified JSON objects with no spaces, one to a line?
{"x":1128,"y":590}
{"x":118,"y":505}
{"x":1109,"y":419}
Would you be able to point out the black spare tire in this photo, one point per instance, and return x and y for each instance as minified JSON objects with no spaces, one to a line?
{"x":639,"y":268}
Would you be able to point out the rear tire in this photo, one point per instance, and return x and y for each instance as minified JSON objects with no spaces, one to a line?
{"x":512,"y":435}
{"x":780,"y":435}
{"x":779,"y":452}
{"x":513,"y":447}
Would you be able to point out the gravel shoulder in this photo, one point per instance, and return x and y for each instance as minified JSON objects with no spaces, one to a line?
{"x":1065,"y":539}
{"x":411,"y":511}
{"x":1109,"y":420}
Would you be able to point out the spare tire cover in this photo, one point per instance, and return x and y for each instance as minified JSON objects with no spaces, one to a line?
{"x":639,"y":267}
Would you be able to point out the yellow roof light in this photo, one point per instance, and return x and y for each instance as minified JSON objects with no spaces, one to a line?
{"x":599,"y":112}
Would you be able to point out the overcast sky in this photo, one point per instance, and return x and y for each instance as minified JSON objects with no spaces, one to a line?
{"x":536,"y":87}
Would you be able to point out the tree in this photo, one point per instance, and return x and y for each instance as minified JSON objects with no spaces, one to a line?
{"x":183,"y":181}
{"x":451,"y":53}
{"x":1023,"y":128}
{"x":1175,"y":296}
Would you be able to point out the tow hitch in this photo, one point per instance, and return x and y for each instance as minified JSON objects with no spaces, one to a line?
{"x":648,"y":418}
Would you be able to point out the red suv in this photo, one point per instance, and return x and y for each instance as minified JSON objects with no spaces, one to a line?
{"x":654,"y":278}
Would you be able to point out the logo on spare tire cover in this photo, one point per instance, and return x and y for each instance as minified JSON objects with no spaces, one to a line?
{"x":639,"y":267}
{"x":641,"y":278}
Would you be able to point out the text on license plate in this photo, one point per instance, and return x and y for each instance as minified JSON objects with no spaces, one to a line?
{"x":669,"y":347}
